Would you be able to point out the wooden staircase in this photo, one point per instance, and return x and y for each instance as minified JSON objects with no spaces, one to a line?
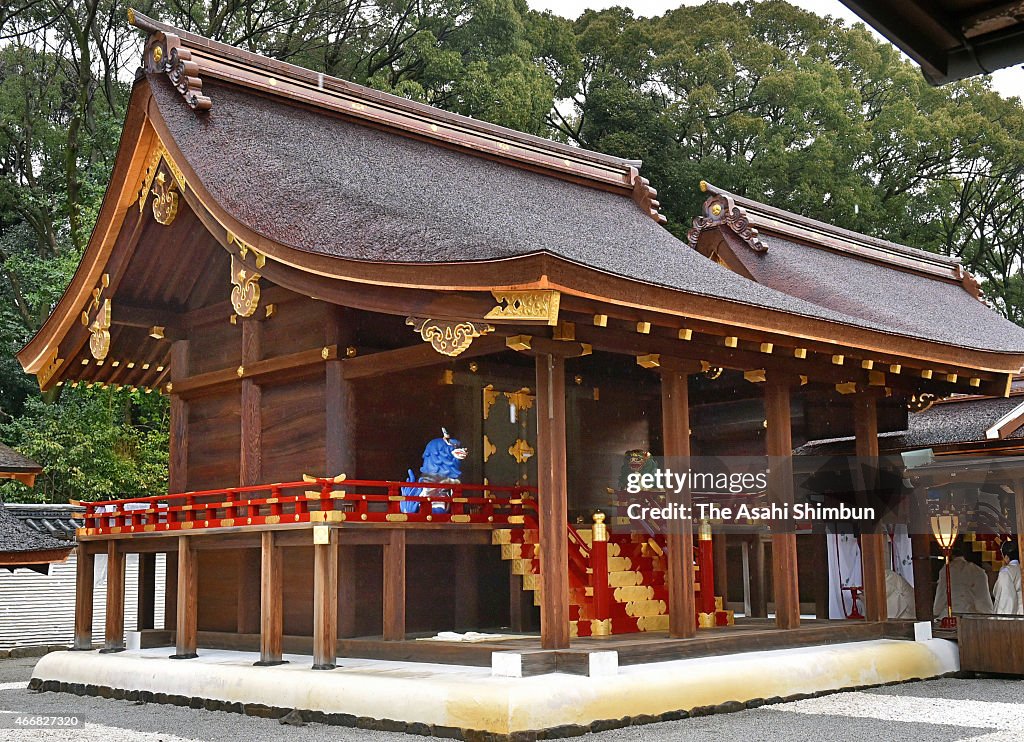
{"x":636,"y":580}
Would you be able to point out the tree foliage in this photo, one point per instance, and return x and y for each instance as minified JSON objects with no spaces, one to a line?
{"x":763,"y":98}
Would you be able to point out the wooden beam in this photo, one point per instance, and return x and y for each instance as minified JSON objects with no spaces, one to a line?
{"x":85,"y":579}
{"x":259,"y":371}
{"x":518,"y":602}
{"x":872,"y":541}
{"x":552,"y":502}
{"x":145,"y":610}
{"x":467,"y":590}
{"x":414,"y":356}
{"x":129,"y":315}
{"x":675,"y":417}
{"x":177,"y":475}
{"x":325,"y":602}
{"x":251,"y":461}
{"x":188,"y":600}
{"x":780,"y":489}
{"x":113,"y":640}
{"x":394,"y":585}
{"x":271,"y":600}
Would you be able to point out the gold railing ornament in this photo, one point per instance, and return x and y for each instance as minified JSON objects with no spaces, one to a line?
{"x":600,"y":529}
{"x":449,"y":338}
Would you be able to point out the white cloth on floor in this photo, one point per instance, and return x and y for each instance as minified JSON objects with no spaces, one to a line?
{"x":968,"y":588}
{"x":899,"y":596}
{"x":1006,"y":597}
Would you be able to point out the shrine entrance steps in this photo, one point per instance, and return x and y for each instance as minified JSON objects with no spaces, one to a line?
{"x":637,"y":586}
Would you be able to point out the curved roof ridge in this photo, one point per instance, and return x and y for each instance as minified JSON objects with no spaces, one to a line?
{"x":768,"y":218}
{"x":186,"y":58}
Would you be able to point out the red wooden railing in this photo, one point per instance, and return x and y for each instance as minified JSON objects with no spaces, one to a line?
{"x":317,"y":501}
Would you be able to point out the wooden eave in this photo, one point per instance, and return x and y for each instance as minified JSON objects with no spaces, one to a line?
{"x":447,"y":291}
{"x":32,"y":558}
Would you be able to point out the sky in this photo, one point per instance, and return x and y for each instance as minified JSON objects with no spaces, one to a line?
{"x":1008,"y":82}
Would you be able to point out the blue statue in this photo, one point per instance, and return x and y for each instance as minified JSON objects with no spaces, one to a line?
{"x":442,"y":463}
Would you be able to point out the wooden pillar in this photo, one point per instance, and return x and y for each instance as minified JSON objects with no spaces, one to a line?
{"x":553,"y":509}
{"x":271,"y":600}
{"x":325,"y":602}
{"x":170,"y":590}
{"x":821,"y":586}
{"x":394,"y":585}
{"x":347,"y":597}
{"x":758,"y":580}
{"x":467,"y":615}
{"x":518,"y":602}
{"x":113,"y":640}
{"x":780,"y":489}
{"x":251,"y":465}
{"x":1018,"y":504}
{"x":249,"y":583}
{"x":720,"y":547}
{"x":85,"y":579}
{"x":177,"y":469}
{"x":921,"y":556}
{"x":872,"y":541}
{"x":145,"y":610}
{"x":339,"y":403}
{"x":187,"y":611}
{"x":675,"y":416}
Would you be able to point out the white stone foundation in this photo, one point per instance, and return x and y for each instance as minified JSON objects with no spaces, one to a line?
{"x":473,"y":698}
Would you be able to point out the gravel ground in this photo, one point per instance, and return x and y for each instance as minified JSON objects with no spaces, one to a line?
{"x":944,"y":710}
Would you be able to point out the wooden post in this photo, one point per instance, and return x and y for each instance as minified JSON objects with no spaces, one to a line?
{"x":720,"y":547}
{"x":921,"y":556}
{"x":675,"y":421}
{"x":394,"y":585}
{"x":177,"y":470}
{"x":251,"y":464}
{"x":85,"y":579}
{"x":517,"y":602}
{"x":347,"y":596}
{"x":325,"y":603}
{"x":1018,"y":503}
{"x":249,"y":583}
{"x":706,"y":560}
{"x":271,"y":600}
{"x":188,"y":601}
{"x":553,"y":509}
{"x":821,"y":586}
{"x":170,"y":590}
{"x":145,"y":610}
{"x":114,"y":635}
{"x":758,"y":580}
{"x":780,"y":484}
{"x":872,"y":542}
{"x":467,"y":591}
{"x":340,"y":403}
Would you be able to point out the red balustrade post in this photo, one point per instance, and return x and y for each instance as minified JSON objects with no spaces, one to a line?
{"x":326,"y":503}
{"x":705,"y":558}
{"x":599,"y":575}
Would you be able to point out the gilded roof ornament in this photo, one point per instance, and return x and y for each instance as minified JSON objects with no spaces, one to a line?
{"x":719,"y":210}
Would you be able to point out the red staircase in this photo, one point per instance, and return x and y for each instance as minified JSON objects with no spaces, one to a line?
{"x":628,"y":595}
